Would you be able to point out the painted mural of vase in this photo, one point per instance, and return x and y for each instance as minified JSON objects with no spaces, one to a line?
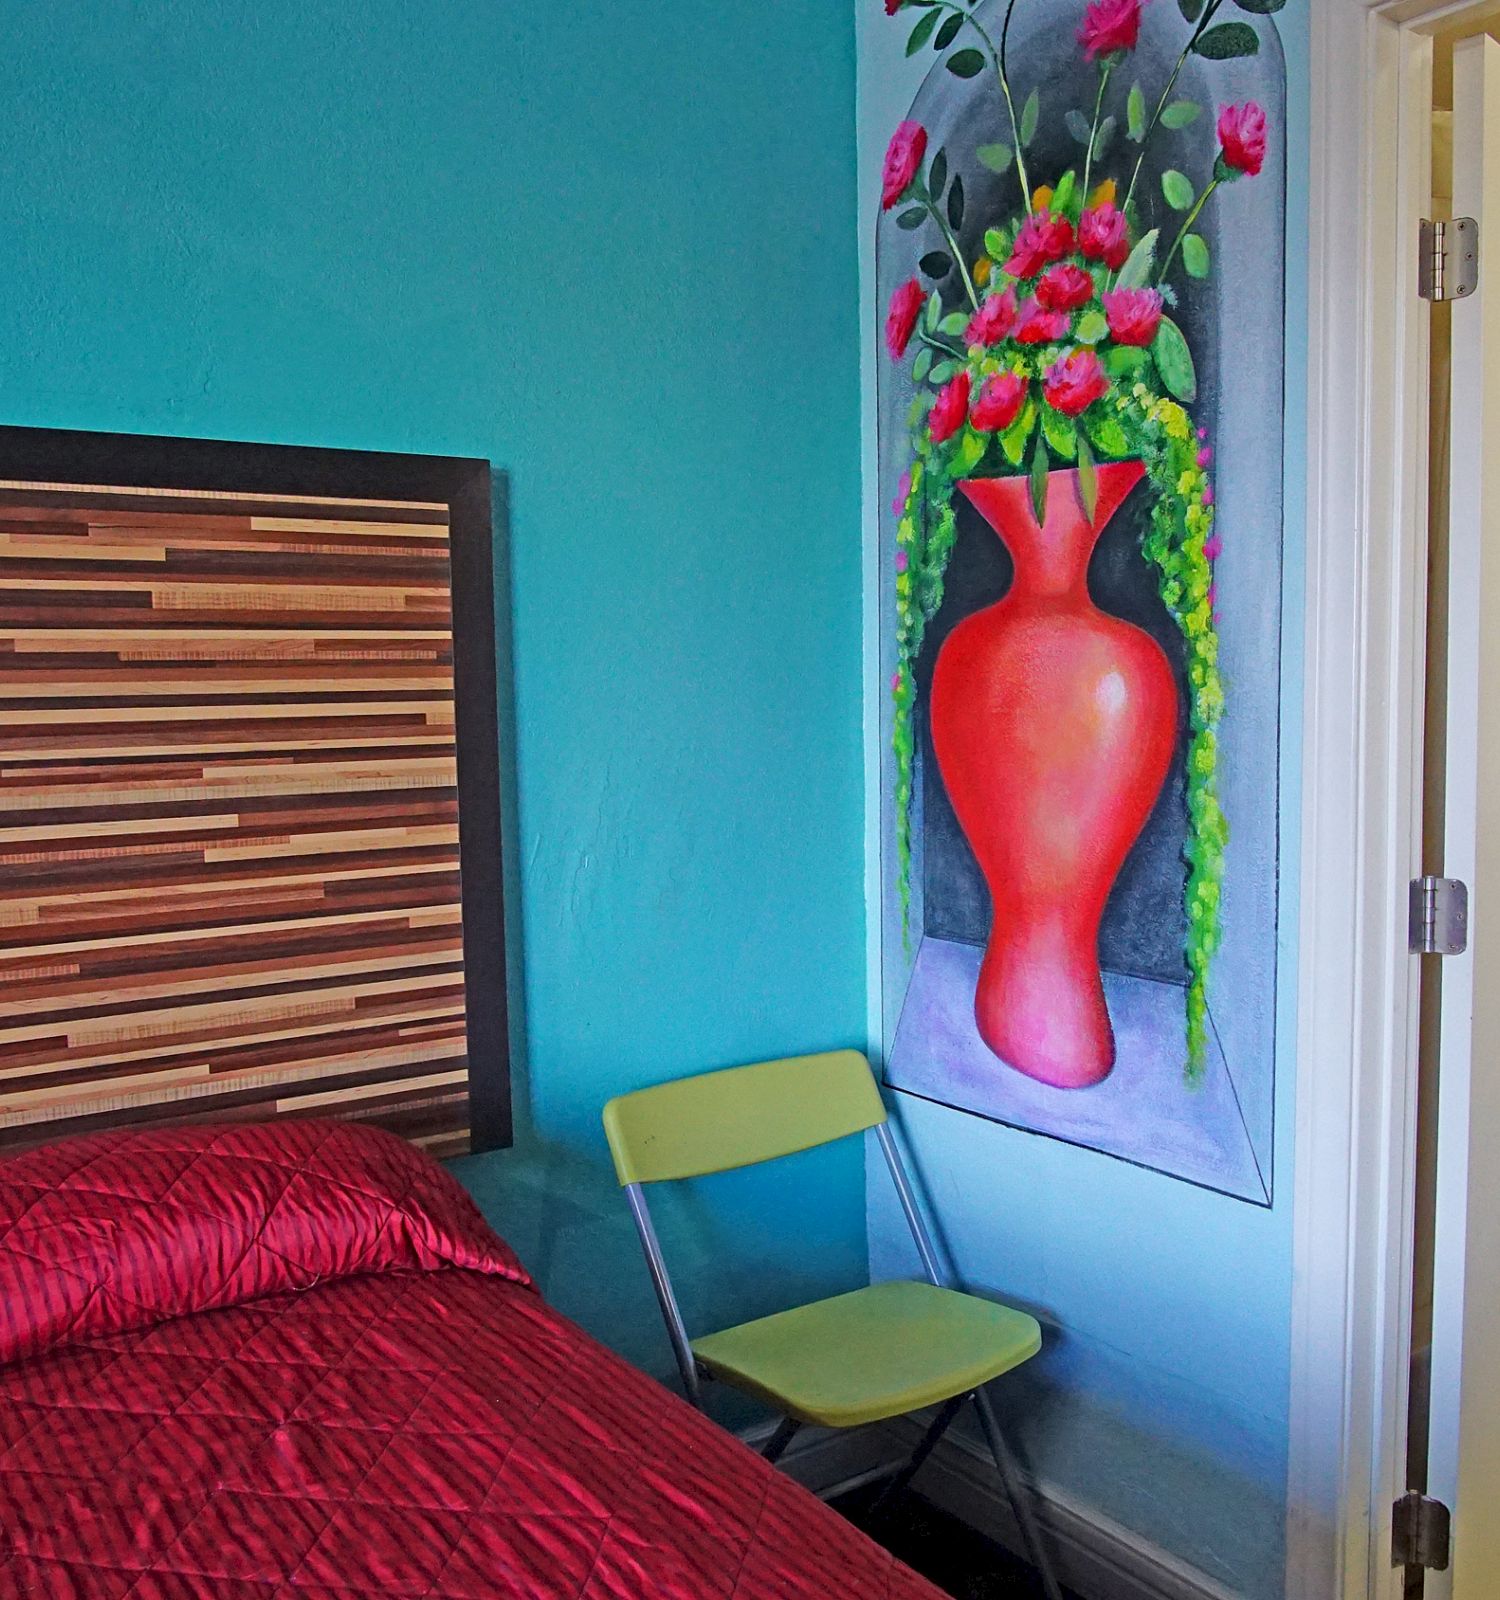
{"x":1054,"y":725}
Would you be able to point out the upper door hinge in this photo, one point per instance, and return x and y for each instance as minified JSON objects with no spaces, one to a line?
{"x":1448,"y":259}
{"x":1438,"y":917}
{"x":1420,"y":1530}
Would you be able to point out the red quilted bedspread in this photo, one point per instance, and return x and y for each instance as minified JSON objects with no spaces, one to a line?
{"x":292,"y":1361}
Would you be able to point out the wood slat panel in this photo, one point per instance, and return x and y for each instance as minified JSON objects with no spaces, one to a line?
{"x":229,"y":842}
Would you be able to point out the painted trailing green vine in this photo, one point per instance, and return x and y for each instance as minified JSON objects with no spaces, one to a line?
{"x":1061,"y":353}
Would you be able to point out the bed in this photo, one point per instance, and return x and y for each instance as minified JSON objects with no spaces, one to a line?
{"x":252,"y":1362}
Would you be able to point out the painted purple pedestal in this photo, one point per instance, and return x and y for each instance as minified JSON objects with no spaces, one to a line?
{"x":1142,"y":1112}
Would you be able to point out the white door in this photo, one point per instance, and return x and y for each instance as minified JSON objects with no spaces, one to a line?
{"x":1464,"y":1442}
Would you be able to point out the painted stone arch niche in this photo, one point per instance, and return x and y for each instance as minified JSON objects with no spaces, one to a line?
{"x":1080,"y":416}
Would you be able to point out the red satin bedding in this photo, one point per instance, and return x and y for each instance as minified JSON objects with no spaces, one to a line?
{"x":292,"y":1361}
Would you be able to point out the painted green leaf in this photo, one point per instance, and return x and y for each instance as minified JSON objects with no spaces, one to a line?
{"x":945,"y":370}
{"x":922,"y":365}
{"x":1109,"y":437}
{"x":911,"y":219}
{"x":937,"y":174}
{"x":1138,"y":263}
{"x":1088,"y":483}
{"x":1179,"y":113}
{"x":956,"y":204}
{"x":934,"y":313}
{"x":1029,"y":114}
{"x":1104,"y":137}
{"x":1195,"y":255}
{"x":1260,"y":8}
{"x":1177,"y":188}
{"x":995,"y":157}
{"x":1078,"y":125}
{"x":1227,"y":40}
{"x":923,"y":31}
{"x":968,"y":63}
{"x":970,"y":452}
{"x":1124,"y":360}
{"x":994,"y":244}
{"x":954,"y":322}
{"x":936,"y":264}
{"x":1062,"y":195}
{"x":1135,"y":114}
{"x":1092,"y":327}
{"x":1013,"y":440}
{"x":1060,"y":432}
{"x":1191,"y":9}
{"x":1040,"y":466}
{"x":1174,"y":361}
{"x":948,"y":32}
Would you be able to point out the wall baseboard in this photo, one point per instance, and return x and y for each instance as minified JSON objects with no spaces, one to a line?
{"x":833,"y":1461}
{"x":1095,"y":1556}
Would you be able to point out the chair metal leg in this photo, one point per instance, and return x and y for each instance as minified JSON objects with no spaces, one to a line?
{"x":786,"y":1431}
{"x":1020,"y":1500}
{"x":925,"y":1446}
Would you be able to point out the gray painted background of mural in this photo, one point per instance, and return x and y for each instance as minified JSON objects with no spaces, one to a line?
{"x":1234,"y":323}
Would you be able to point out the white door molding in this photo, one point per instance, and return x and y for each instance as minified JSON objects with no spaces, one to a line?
{"x":1366,"y":585}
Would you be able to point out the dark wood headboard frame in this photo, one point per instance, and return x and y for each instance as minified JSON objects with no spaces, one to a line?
{"x":51,"y":455}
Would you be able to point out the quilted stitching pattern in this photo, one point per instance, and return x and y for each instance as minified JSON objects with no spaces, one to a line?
{"x":122,"y":1230}
{"x":391,"y":1432}
{"x":436,"y":1434}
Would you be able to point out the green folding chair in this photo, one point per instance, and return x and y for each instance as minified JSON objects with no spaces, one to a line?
{"x":860,"y":1357}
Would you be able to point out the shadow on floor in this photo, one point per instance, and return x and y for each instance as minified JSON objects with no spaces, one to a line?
{"x":950,"y":1554}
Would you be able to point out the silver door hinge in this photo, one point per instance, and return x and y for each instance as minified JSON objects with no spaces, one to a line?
{"x":1420,"y":1532}
{"x":1438,"y":917}
{"x":1448,"y":259}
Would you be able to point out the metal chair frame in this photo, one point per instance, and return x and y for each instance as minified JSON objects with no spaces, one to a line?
{"x":788,"y":1428}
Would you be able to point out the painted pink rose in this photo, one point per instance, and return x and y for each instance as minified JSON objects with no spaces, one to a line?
{"x":1037,"y":325}
{"x":1134,"y":315}
{"x":1074,"y":383}
{"x":1044,"y":238}
{"x":903,"y":561}
{"x":1213,"y":548}
{"x":993,"y":320}
{"x":903,"y":160}
{"x":1110,"y":25}
{"x":901,"y":318}
{"x":1104,"y":236}
{"x":949,"y":409}
{"x":1242,"y":137}
{"x":1064,"y":287}
{"x":903,"y":489}
{"x":999,"y":402}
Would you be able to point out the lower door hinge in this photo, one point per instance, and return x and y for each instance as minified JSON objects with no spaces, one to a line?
{"x":1448,"y":259}
{"x":1419,"y":1533}
{"x":1438,"y":917}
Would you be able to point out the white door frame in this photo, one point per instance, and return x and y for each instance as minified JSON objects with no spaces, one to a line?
{"x":1366,"y":587}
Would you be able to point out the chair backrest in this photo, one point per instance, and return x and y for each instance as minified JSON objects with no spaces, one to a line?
{"x":740,"y":1116}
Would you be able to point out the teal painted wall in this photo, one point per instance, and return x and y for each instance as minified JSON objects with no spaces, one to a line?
{"x":1161,"y":1396}
{"x":613,"y":249}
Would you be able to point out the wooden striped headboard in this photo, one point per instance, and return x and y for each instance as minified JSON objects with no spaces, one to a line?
{"x":230,"y":801}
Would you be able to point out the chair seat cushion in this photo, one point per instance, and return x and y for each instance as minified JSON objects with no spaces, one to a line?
{"x":870,"y":1354}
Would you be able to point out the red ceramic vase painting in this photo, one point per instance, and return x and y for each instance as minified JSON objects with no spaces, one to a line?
{"x":1054,"y":725}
